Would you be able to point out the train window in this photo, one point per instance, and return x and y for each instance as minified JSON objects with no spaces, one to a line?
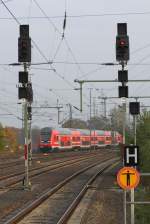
{"x":73,"y":139}
{"x":108,"y":138}
{"x":100,"y":142}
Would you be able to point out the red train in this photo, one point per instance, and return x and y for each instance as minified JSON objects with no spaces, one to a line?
{"x":64,"y":138}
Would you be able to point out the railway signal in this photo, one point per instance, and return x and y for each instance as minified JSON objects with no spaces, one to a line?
{"x":23,"y":77}
{"x":134,"y":108}
{"x":24,"y":44}
{"x":122,"y":43}
{"x":123,"y":91}
{"x":123,"y":76}
{"x":29,"y":92}
{"x":122,"y":55}
{"x":23,"y":81}
{"x":25,"y":92}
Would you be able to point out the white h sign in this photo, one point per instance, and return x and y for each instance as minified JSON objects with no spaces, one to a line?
{"x":131,"y":155}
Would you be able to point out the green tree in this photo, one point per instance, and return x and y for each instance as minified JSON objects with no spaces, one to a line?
{"x":116,"y":115}
{"x":98,"y":123}
{"x":143,"y":140}
{"x":11,"y":138}
{"x":75,"y":123}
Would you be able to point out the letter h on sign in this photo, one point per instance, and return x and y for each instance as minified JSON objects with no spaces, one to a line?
{"x":131,"y":155}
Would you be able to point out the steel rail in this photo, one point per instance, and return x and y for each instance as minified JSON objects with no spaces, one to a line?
{"x":20,"y":215}
{"x":42,"y":170}
{"x":77,"y":200}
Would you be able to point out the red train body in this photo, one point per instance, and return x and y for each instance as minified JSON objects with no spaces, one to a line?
{"x":64,"y":138}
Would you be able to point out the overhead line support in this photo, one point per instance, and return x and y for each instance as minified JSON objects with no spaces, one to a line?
{"x":81,"y":82}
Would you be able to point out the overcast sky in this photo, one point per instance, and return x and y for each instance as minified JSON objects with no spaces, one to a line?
{"x":90,"y":35}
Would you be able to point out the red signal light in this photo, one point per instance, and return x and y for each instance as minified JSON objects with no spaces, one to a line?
{"x":122,"y":43}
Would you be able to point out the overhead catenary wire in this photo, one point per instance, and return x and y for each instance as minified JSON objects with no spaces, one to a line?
{"x":79,"y":16}
{"x":51,"y":23}
{"x":84,"y":63}
{"x":42,"y":54}
{"x":59,"y":32}
{"x":67,"y":44}
{"x":64,"y":25}
{"x":10,"y":12}
{"x":39,"y":50}
{"x":7,"y":1}
{"x":49,"y":20}
{"x":78,"y":63}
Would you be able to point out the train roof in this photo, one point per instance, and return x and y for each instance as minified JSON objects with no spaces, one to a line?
{"x":60,"y":130}
{"x":84,"y":131}
{"x":64,"y":131}
{"x":47,"y":129}
{"x":100,"y":132}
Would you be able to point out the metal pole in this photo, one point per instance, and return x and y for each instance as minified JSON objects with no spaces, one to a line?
{"x":26,"y":182}
{"x":132,"y":206}
{"x":81,"y":96}
{"x":124,"y":121}
{"x":132,"y":190}
{"x":30,"y":143}
{"x":134,"y":117}
{"x":70,"y":114}
{"x":124,"y":126}
{"x":26,"y":136}
{"x":105,"y":111}
{"x":58,"y":115}
{"x":90,"y":114}
{"x":58,"y":110}
{"x":94,"y":107}
{"x":29,"y":133}
{"x":94,"y":114}
{"x":113,"y":80}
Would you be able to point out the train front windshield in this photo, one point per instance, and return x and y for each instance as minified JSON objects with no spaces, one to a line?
{"x":45,"y":135}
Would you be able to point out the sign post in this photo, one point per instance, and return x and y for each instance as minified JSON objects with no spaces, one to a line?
{"x":131,"y":159}
{"x":128,"y":178}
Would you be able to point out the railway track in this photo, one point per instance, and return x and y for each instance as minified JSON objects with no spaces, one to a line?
{"x":36,"y":157}
{"x":55,"y":205}
{"x":13,"y":179}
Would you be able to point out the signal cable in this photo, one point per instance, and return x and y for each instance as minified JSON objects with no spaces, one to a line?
{"x":10,"y":12}
{"x":83,"y":15}
{"x":37,"y":45}
{"x":19,"y":23}
{"x":56,"y":29}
